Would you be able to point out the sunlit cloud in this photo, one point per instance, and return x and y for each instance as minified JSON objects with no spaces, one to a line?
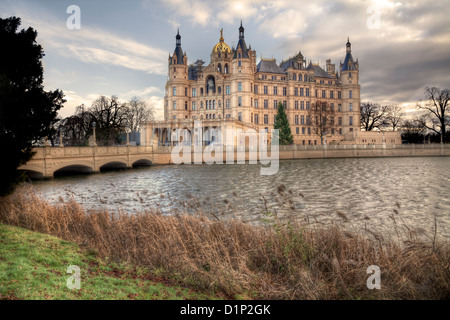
{"x":196,"y":11}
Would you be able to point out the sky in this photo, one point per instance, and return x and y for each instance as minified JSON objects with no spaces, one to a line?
{"x":122,"y":47}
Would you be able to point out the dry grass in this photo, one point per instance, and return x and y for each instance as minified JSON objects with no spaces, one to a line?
{"x":283,"y":260}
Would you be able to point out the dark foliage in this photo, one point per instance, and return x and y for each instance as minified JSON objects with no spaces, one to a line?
{"x":27,"y":112}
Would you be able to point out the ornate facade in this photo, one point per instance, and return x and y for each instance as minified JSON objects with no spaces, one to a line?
{"x":234,"y":88}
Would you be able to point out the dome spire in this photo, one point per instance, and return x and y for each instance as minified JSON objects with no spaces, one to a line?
{"x":221,"y":46}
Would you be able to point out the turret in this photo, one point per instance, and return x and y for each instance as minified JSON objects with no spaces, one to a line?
{"x":178,"y":68}
{"x":178,"y":56}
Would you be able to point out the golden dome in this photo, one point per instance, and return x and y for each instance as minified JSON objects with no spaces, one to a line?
{"x":221,"y":46}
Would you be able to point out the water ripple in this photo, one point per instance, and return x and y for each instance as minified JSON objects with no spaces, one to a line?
{"x":362,"y":189}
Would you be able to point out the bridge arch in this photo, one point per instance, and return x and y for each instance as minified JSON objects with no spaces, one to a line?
{"x":33,"y":174}
{"x":142,"y":162}
{"x":113,"y":165}
{"x":70,"y":169}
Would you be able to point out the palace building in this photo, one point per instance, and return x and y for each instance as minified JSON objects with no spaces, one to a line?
{"x":233,"y":90}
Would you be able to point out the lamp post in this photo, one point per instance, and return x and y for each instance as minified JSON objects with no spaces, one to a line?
{"x":61,"y":138}
{"x":128,"y":135}
{"x":93,"y":128}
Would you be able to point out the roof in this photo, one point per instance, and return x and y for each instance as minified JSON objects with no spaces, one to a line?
{"x":243,"y":46}
{"x":241,"y":43}
{"x":269,"y":66}
{"x":179,"y":52}
{"x":294,"y":62}
{"x":318,"y":71}
{"x":348,"y":64}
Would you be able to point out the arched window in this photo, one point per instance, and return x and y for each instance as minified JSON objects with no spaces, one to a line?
{"x":219,"y":89}
{"x":210,"y":85}
{"x":219,"y":67}
{"x":226,"y":68}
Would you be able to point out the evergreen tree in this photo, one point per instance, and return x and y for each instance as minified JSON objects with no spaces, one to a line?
{"x":282,"y":124}
{"x":27,"y":112}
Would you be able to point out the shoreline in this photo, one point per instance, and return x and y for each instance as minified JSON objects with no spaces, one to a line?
{"x":232,"y":258}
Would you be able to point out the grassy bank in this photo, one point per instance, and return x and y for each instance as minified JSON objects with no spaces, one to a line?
{"x":34,"y":266}
{"x":283,"y":260}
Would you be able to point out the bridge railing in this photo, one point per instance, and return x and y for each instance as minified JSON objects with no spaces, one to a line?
{"x":436,"y":146}
{"x":60,"y":152}
{"x":57,"y":152}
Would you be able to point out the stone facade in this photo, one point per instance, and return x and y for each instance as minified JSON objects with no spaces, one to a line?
{"x":234,"y":87}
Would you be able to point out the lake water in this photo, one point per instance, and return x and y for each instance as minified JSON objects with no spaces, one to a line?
{"x":354,"y":191}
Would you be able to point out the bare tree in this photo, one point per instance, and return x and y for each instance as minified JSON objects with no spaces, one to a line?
{"x":321,"y":118}
{"x":137,"y":111}
{"x":373,"y":116}
{"x":394,"y":115}
{"x":413,"y":131}
{"x":75,"y":129}
{"x":435,"y":106}
{"x":110,"y":117}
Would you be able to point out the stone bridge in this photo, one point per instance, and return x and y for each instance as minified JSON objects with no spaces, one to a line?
{"x":50,"y":160}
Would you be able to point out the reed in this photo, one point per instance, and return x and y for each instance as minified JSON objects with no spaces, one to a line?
{"x":282,"y":259}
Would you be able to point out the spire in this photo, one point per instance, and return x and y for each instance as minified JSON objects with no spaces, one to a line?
{"x":241,"y":31}
{"x":178,"y":37}
{"x":348,"y":64}
{"x":178,"y":50}
{"x":241,"y":44}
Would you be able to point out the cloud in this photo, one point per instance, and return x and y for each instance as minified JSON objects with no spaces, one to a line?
{"x":399,"y":57}
{"x":94,"y":45}
{"x":73,"y":100}
{"x":148,"y":94}
{"x":196,"y":11}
